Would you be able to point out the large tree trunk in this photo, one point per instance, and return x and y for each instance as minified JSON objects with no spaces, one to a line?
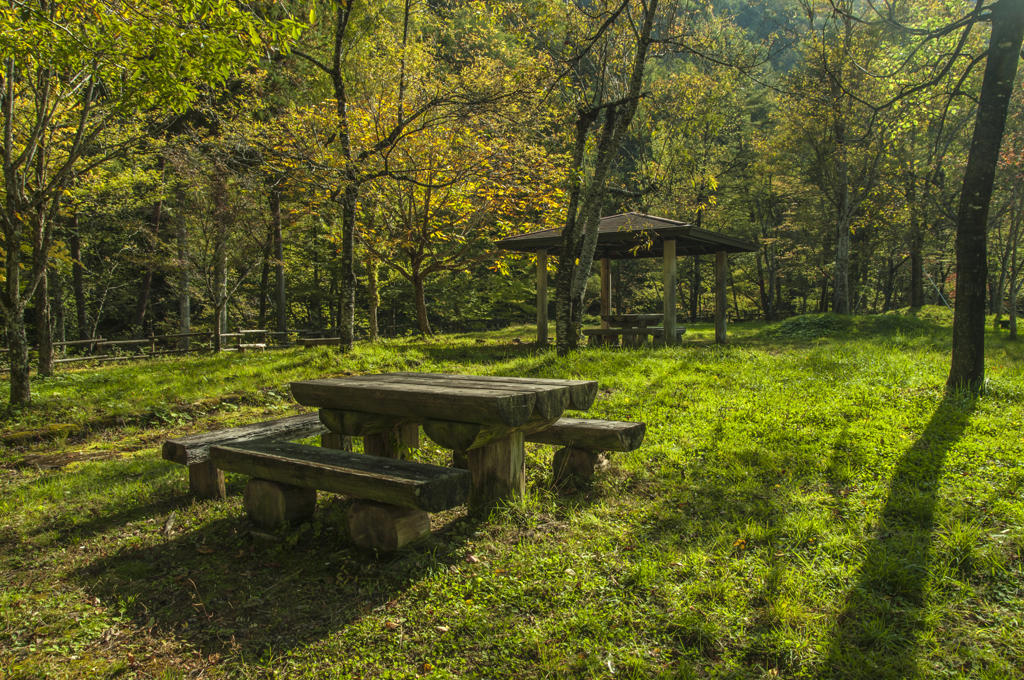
{"x":967,"y":366}
{"x":43,"y":337}
{"x":77,"y":281}
{"x":21,"y":389}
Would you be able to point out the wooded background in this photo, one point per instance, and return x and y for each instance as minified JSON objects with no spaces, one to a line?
{"x":833,"y":136}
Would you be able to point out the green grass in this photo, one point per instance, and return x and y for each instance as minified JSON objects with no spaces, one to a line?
{"x":807,"y":504}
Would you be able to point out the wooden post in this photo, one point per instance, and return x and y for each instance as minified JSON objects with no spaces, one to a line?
{"x":542,"y":297}
{"x":333,"y":440}
{"x":205,"y":480}
{"x":269,"y":504}
{"x":606,"y":290}
{"x":669,"y":281}
{"x":379,"y":526}
{"x":394,"y":443}
{"x":498,"y":470}
{"x":721,"y":300}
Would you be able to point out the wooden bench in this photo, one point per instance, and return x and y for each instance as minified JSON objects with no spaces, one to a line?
{"x":585,"y":441}
{"x":613,"y":334}
{"x":204,"y":479}
{"x":394,"y":495}
{"x":317,"y":342}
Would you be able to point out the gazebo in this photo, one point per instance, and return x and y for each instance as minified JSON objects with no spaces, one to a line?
{"x":635,"y":235}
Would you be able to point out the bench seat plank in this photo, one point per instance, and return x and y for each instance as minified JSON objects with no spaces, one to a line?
{"x":590,"y":434}
{"x":581,"y":392}
{"x":403,"y":483}
{"x":196,"y":448}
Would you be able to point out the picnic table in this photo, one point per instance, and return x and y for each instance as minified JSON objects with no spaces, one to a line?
{"x":484,"y":420}
{"x":633,"y":329}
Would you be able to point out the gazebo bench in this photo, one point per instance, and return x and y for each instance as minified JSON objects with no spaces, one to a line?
{"x":394,"y":496}
{"x":317,"y":342}
{"x":585,"y":441}
{"x":656,"y":333}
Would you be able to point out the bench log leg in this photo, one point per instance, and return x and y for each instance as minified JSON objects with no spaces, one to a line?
{"x":498,"y":470}
{"x":333,"y":440}
{"x":385,"y":527}
{"x":206,"y":481}
{"x":393,"y":444}
{"x":268,"y":504}
{"x":570,"y":461}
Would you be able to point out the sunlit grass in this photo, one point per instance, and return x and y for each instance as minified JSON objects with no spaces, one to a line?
{"x":802,"y":507}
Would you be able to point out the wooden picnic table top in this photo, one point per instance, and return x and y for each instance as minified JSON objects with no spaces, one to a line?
{"x":488,"y":400}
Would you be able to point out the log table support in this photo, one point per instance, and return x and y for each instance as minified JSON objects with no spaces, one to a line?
{"x":498,"y":471}
{"x":669,"y":281}
{"x":542,"y":297}
{"x":583,"y":463}
{"x":721,"y":299}
{"x":372,"y":524}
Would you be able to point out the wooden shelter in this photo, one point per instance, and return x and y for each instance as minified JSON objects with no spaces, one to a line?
{"x":635,"y":235}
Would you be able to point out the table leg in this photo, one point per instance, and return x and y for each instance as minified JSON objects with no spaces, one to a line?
{"x":498,"y":471}
{"x":333,"y":440}
{"x":394,"y":443}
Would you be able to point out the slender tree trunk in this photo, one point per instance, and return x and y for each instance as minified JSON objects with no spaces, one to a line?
{"x":184,"y":298}
{"x":78,"y":282}
{"x":373,"y":295}
{"x":43,"y":337}
{"x":281,"y":300}
{"x":57,"y":303}
{"x":917,"y":270}
{"x":147,"y":278}
{"x":421,"y":305}
{"x":695,"y":290}
{"x":347,"y":276}
{"x":967,"y":366}
{"x":261,"y":318}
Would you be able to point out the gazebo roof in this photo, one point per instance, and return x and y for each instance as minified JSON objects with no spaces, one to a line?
{"x":635,"y":235}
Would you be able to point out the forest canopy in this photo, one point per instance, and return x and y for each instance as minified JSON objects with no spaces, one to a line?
{"x":346,"y":166}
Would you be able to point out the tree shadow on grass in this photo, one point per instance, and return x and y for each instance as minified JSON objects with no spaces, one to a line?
{"x":885,"y":612}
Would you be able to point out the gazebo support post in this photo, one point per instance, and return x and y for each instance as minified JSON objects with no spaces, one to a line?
{"x":542,"y":297}
{"x":721,"y":299}
{"x":669,"y":280}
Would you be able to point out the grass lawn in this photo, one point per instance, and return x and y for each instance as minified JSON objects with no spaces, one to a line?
{"x":807,"y":504}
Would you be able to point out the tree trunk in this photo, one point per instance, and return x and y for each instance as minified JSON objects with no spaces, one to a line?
{"x":261,"y":318}
{"x":147,"y":278}
{"x":21,"y":388}
{"x":43,"y":337}
{"x":421,"y":304}
{"x":184,"y":300}
{"x":695,"y":290}
{"x":967,"y":366}
{"x":77,"y":281}
{"x":347,"y":276}
{"x":281,"y":304}
{"x":917,"y":270}
{"x":57,"y":303}
{"x":373,"y":295}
